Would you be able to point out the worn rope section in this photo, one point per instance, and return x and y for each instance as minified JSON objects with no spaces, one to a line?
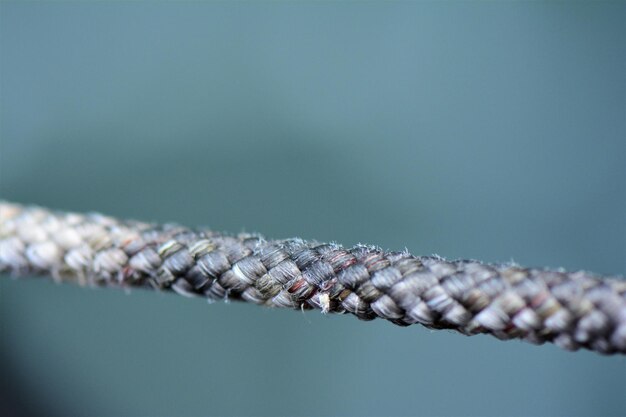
{"x":572,"y":309}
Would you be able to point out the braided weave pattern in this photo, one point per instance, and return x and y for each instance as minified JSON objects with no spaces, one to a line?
{"x":573,"y":310}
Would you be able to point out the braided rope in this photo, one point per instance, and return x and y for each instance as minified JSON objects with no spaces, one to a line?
{"x":574,"y":310}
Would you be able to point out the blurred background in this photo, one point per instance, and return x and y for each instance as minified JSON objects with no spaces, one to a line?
{"x":484,"y":130}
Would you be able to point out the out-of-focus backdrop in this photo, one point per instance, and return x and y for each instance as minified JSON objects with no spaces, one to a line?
{"x":484,"y":130}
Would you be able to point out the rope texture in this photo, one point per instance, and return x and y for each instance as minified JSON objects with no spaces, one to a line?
{"x":574,"y":310}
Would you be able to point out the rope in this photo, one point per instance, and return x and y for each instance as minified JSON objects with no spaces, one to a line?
{"x":572,"y":309}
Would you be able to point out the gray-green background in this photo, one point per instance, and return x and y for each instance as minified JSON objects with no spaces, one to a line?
{"x":487,"y":130}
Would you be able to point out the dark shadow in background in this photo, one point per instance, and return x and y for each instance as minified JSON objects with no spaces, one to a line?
{"x":483,"y":130}
{"x":16,"y":399}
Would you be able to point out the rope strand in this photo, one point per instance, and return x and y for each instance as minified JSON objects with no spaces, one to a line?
{"x":572,"y":309}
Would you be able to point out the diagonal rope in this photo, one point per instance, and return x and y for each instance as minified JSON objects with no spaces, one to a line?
{"x":572,"y":309}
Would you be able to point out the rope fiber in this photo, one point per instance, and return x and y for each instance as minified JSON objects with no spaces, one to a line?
{"x":572,"y":309}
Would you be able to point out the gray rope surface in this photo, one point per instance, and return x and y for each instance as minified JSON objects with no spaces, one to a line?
{"x":572,"y":309}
